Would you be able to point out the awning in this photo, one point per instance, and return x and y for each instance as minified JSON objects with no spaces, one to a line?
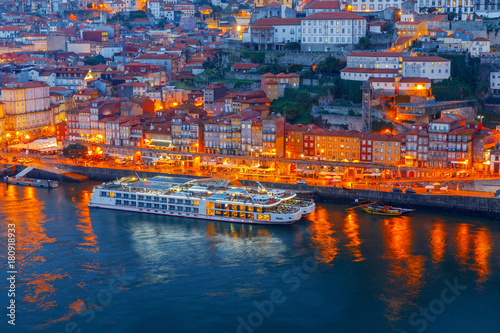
{"x":161,"y":143}
{"x":136,"y":135}
{"x":308,"y":171}
{"x":45,"y":150}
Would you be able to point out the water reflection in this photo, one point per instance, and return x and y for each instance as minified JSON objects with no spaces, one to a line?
{"x":482,"y":250}
{"x":437,"y":241}
{"x":158,"y":240}
{"x":406,"y":270}
{"x":351,"y":231}
{"x":462,"y":240}
{"x":322,"y":230}
{"x":84,"y":224}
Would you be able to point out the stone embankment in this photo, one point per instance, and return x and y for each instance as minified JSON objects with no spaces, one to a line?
{"x":46,"y":172}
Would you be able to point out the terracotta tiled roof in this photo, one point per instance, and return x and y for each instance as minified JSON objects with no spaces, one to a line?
{"x":334,"y":16}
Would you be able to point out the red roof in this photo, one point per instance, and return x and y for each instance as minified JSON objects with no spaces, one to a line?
{"x":323,"y":5}
{"x":480,"y":39}
{"x":377,"y":54}
{"x":370,"y":70}
{"x":240,"y":66}
{"x":424,"y":59}
{"x":334,"y":16}
{"x":414,"y":80}
{"x":276,"y":21}
{"x":438,"y":18}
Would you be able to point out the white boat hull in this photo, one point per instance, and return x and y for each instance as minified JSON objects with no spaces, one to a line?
{"x":287,"y":219}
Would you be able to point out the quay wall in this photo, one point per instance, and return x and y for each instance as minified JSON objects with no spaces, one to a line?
{"x":475,"y":206}
{"x":108,"y":174}
{"x":59,"y":175}
{"x":482,"y":185}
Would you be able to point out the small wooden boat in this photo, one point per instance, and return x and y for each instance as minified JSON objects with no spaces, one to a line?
{"x":378,"y":208}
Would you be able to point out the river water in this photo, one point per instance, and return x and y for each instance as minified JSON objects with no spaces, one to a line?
{"x":333,"y":271}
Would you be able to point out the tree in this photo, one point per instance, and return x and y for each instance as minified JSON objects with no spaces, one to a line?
{"x":92,"y":61}
{"x":75,"y":151}
{"x":292,"y":46}
{"x":329,"y":66}
{"x":364,"y":43}
{"x":295,"y":68}
{"x":451,"y":16}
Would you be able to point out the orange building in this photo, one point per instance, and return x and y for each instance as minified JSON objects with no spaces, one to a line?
{"x":274,"y":85}
{"x":409,"y":28}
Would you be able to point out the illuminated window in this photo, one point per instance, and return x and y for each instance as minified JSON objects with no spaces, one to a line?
{"x":210,"y":205}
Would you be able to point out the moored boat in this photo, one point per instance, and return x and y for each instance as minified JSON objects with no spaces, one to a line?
{"x":378,"y":208}
{"x":21,"y":179}
{"x":211,"y":199}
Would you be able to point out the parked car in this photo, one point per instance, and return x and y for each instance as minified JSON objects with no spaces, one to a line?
{"x":21,"y":160}
{"x":410,"y":191}
{"x":29,"y":160}
{"x":302,"y":182}
{"x":396,"y":189}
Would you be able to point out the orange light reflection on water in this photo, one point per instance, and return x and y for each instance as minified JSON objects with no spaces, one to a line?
{"x":406,"y":271}
{"x":463,"y":239}
{"x":322,"y":239}
{"x":437,"y":241}
{"x":351,"y":230}
{"x":482,"y":251}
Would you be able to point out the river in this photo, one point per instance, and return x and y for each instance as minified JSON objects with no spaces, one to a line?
{"x":332,"y":271}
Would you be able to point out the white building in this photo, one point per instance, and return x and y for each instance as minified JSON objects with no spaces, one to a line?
{"x":495,"y":83}
{"x":9,"y":31}
{"x":373,"y":5}
{"x":43,"y":75}
{"x":363,"y":65}
{"x":479,"y":45}
{"x":273,"y":33}
{"x":434,"y":68}
{"x":463,"y":9}
{"x":324,"y":31}
{"x":109,"y":50}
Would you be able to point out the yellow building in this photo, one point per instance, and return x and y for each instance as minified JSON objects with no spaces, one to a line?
{"x":27,"y":108}
{"x":386,"y":149}
{"x":274,"y":85}
{"x":335,"y":145}
{"x":256,"y":137}
{"x":2,"y":125}
{"x":412,"y":28}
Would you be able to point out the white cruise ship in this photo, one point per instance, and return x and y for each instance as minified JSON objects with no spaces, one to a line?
{"x":211,"y":199}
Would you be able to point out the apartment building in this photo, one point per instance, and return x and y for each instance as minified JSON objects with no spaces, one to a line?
{"x":363,"y":65}
{"x":274,"y":84}
{"x":325,"y":31}
{"x":379,"y":5}
{"x":27,"y":108}
{"x":412,"y":28}
{"x":273,"y":33}
{"x":332,"y":145}
{"x":463,"y":9}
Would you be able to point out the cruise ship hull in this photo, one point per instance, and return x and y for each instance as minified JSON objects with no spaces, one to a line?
{"x":208,"y":199}
{"x":287,"y":219}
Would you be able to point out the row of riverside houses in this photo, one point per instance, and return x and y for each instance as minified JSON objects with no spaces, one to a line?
{"x":447,"y":142}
